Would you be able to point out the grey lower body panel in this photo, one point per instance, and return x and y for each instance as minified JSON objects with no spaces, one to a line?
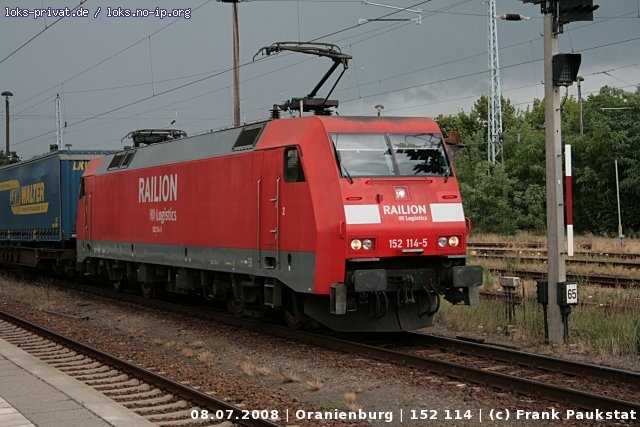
{"x":294,"y":269}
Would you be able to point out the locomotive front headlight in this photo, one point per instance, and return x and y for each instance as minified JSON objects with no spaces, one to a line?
{"x":367,"y":244}
{"x":442,"y":242}
{"x":356,"y":244}
{"x":454,"y":241}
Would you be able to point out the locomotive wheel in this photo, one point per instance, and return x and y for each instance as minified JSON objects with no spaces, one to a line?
{"x":121,"y":284}
{"x":235,"y":307}
{"x":292,"y":320}
{"x":292,"y":313}
{"x":147,"y":290}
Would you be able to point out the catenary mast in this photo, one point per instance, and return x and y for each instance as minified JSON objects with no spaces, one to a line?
{"x":494,"y":119}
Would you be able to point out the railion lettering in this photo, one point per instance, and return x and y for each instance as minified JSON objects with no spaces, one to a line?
{"x":161,"y":188}
{"x":404,"y":209}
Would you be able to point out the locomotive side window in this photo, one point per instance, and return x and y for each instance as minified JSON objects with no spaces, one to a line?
{"x":247,"y":138}
{"x":420,"y":154}
{"x":293,"y":166}
{"x":115,"y":161}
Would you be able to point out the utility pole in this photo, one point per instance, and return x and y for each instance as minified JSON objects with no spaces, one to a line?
{"x":494,"y":128}
{"x":580,"y":80}
{"x":6,"y":95}
{"x":620,"y":235}
{"x":236,"y":62}
{"x":58,"y":122}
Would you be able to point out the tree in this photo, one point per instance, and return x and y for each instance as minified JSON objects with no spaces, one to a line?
{"x":612,"y":131}
{"x":13,"y":159}
{"x":512,"y":196}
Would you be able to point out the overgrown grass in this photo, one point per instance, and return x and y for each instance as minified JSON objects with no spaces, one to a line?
{"x":606,"y":332}
{"x":490,"y":318}
{"x":608,"y":324}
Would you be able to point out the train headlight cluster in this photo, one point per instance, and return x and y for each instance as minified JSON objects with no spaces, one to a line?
{"x":452,"y":241}
{"x":364,"y":244}
{"x":367,"y":244}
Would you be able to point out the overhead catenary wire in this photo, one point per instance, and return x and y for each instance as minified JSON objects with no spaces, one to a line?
{"x":108,"y":58}
{"x":183,"y":85}
{"x":484,"y":71}
{"x":222,"y":71}
{"x":367,"y":36}
{"x":35,"y":36}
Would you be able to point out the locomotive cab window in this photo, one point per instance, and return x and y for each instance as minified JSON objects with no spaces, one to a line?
{"x":293,"y":166}
{"x":419,"y":154}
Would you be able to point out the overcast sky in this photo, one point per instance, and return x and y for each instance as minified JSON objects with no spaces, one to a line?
{"x":118,"y":74}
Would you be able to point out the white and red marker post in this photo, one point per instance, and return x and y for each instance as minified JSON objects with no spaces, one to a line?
{"x":568,"y":183}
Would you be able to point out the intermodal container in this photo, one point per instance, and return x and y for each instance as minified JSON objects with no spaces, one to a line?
{"x":39,"y":197}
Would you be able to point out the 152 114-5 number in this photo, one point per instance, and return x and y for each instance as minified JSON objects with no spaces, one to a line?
{"x":408,"y":243}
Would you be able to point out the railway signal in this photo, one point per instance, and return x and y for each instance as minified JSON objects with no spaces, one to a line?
{"x":575,"y":10}
{"x":559,"y":70}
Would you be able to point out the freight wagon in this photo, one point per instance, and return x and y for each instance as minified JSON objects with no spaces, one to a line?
{"x":38,"y":202}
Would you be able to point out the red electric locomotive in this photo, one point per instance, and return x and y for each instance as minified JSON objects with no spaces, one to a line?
{"x":354,"y":222}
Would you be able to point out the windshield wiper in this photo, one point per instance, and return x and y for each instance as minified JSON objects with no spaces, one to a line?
{"x":343,"y":168}
{"x":340,"y":165}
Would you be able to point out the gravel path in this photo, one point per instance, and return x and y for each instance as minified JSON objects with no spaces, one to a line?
{"x":266,"y":373}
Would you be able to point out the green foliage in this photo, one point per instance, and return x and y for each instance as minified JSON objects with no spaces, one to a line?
{"x":512,"y":196}
{"x":14,"y":158}
{"x":487,"y":199}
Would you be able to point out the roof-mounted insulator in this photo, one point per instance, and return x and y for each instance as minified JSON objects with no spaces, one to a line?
{"x":275,"y":112}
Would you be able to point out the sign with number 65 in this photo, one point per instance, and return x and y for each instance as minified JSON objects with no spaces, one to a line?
{"x":567,"y":293}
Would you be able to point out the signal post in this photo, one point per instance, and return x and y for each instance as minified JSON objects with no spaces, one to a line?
{"x":555,"y":219}
{"x":559,"y":70}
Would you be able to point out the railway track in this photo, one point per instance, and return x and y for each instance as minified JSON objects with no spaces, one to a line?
{"x":159,"y":399}
{"x":606,"y":281}
{"x":535,"y":255}
{"x":541,"y":248}
{"x":572,"y":384}
{"x":508,"y":370}
{"x":589,"y":383}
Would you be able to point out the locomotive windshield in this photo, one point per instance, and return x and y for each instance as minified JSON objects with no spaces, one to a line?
{"x":417,"y":154}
